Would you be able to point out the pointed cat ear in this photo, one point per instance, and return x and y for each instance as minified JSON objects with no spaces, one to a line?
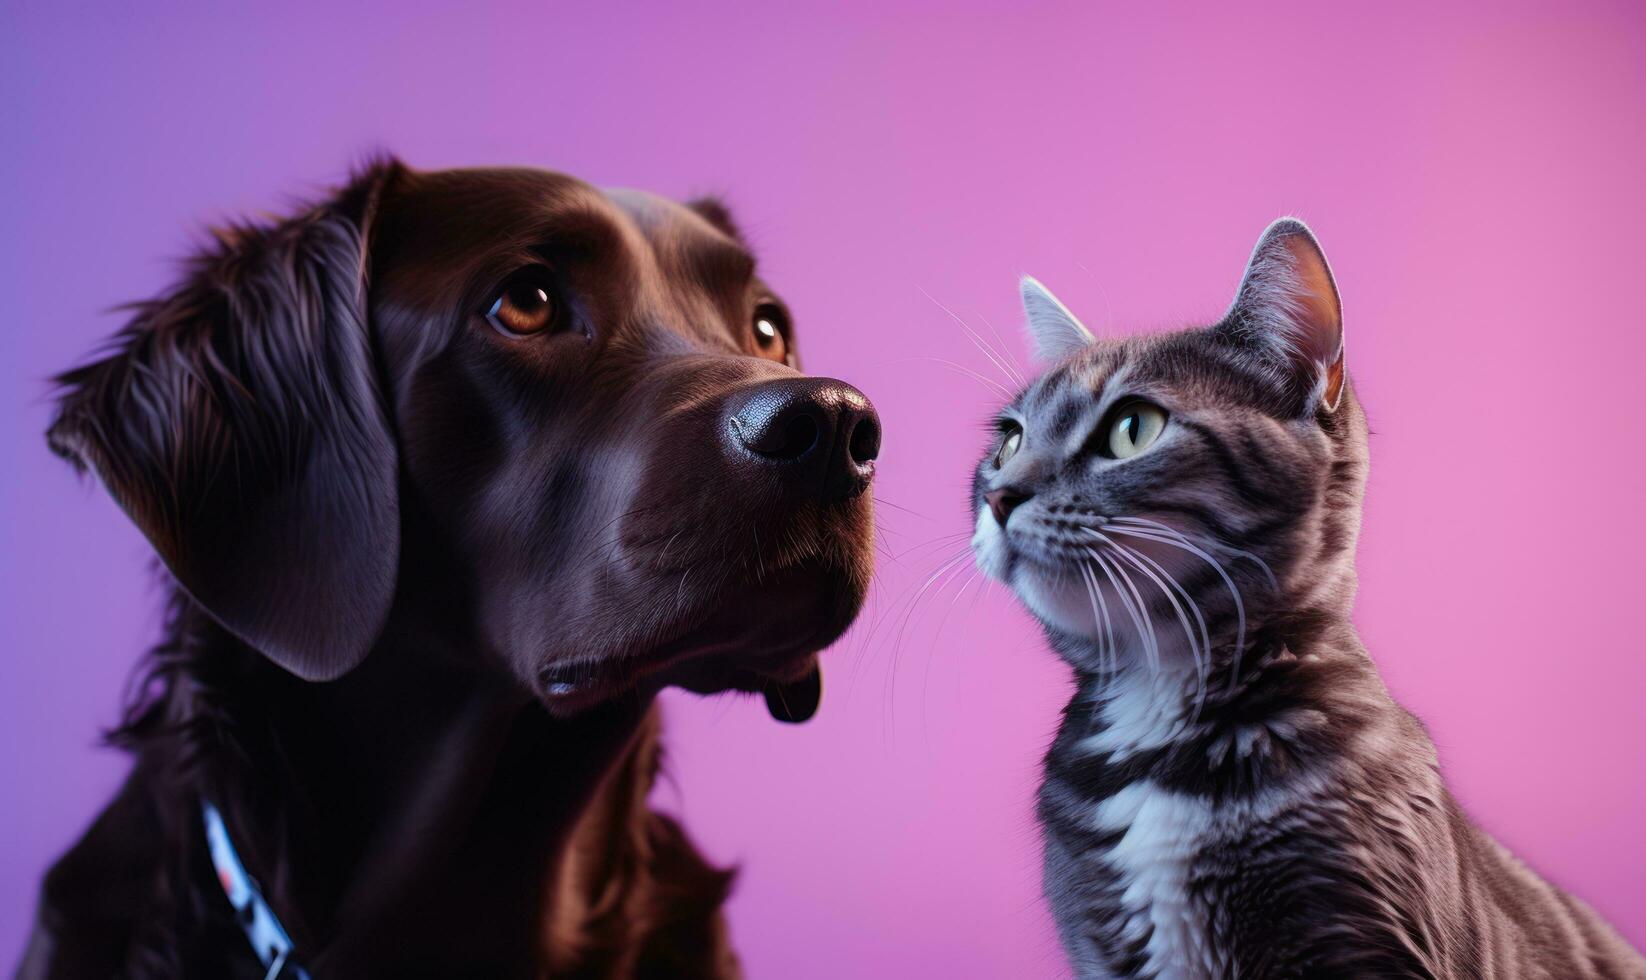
{"x":1288,"y":314}
{"x":1056,"y":332}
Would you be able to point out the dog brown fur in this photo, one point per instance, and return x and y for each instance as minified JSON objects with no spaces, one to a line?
{"x":428,"y":572}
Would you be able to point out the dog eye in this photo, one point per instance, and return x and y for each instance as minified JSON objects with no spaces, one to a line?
{"x":525,"y":305}
{"x":771,"y":331}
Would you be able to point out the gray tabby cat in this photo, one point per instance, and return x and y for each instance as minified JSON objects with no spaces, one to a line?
{"x":1232,"y":791}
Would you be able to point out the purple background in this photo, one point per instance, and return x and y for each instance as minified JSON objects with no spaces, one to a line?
{"x":1475,"y":173}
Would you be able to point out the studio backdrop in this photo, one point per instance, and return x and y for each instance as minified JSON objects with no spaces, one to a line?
{"x":1474,"y":171}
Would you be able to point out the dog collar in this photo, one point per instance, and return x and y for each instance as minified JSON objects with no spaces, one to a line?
{"x":262,"y":927}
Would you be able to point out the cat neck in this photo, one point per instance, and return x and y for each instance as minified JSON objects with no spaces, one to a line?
{"x":1291,"y":680}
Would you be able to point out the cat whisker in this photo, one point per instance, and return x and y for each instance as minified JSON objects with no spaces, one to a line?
{"x":895,"y":615}
{"x":988,"y":351}
{"x":883,"y":502}
{"x":1125,"y":603}
{"x":1133,"y":557}
{"x":1177,"y":540}
{"x":994,"y":356}
{"x":1108,"y":305}
{"x":1004,"y":347}
{"x":1111,"y":646}
{"x":1202,"y":660}
{"x":902,"y":612}
{"x":973,"y":575}
{"x":1150,"y":636}
{"x":993,"y":385}
{"x":1134,"y":606}
{"x":942,"y":540}
{"x":1262,"y":565}
{"x":963,"y":573}
{"x":1188,"y":600}
{"x":1183,"y":545}
{"x":1108,"y":627}
{"x":1098,"y":619}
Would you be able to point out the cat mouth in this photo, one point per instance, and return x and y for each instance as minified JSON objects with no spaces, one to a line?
{"x":1050,"y":570}
{"x":1025,"y":542}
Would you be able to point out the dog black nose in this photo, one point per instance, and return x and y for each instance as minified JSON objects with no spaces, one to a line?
{"x":819,"y":430}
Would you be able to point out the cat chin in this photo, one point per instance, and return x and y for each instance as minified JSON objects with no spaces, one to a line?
{"x":989,"y":548}
{"x":1058,"y":598}
{"x":1059,"y":605}
{"x":1063,"y":606}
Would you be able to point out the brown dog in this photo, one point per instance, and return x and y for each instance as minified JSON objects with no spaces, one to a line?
{"x":452,"y":473}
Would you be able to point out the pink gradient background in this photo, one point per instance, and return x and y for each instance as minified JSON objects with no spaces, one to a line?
{"x":1475,"y":172}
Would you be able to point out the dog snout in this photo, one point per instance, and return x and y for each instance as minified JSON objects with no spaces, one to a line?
{"x":820,"y":431}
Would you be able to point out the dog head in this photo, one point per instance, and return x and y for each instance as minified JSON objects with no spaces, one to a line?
{"x":557,"y":430}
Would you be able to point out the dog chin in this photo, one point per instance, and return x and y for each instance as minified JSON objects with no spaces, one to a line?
{"x":771,"y":648}
{"x":761,"y":637}
{"x":772,"y":629}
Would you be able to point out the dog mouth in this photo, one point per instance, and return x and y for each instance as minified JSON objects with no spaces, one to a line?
{"x":755,"y":636}
{"x":772,"y":652}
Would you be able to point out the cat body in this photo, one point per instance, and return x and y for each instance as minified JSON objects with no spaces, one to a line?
{"x":1232,"y":792}
{"x":1310,"y":837}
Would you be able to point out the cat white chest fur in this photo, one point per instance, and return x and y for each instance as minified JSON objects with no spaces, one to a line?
{"x":1163,"y":832}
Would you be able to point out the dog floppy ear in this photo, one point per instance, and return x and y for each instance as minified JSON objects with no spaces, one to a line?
{"x":715,"y":212}
{"x":238,"y":420}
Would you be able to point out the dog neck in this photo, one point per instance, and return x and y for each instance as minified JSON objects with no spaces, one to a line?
{"x":468,"y":844}
{"x":415,"y":811}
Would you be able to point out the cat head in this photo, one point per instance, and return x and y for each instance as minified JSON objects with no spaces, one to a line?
{"x":1158,"y":498}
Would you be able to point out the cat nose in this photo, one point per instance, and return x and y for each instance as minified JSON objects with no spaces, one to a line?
{"x":1005,"y":500}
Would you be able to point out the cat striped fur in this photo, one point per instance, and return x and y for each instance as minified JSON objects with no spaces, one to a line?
{"x":1232,"y":792}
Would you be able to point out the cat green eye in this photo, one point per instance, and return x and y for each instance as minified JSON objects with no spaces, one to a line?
{"x":1134,"y":428}
{"x":1008,"y":446}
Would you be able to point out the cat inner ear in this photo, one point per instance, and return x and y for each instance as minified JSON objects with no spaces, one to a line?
{"x":1287,"y":313}
{"x":1056,"y":332}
